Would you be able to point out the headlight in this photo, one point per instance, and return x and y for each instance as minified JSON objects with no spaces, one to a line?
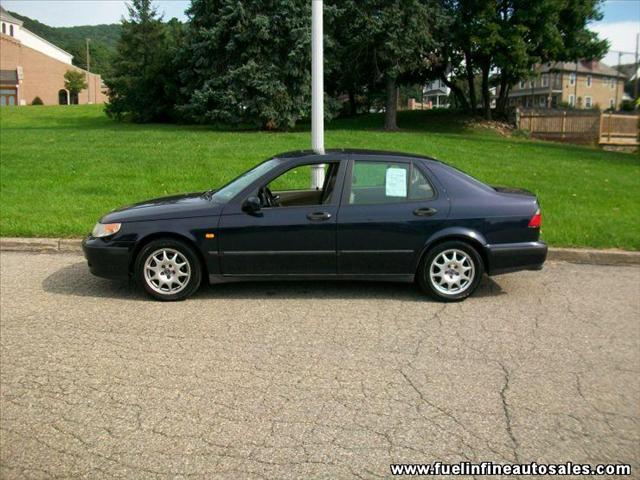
{"x":105,"y":229}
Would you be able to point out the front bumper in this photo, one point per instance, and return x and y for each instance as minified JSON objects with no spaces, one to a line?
{"x":106,"y":259}
{"x":511,"y":257}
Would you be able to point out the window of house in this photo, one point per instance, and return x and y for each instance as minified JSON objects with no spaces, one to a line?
{"x":572,"y":100}
{"x":521,"y":83}
{"x":613,"y":83}
{"x":543,"y":101}
{"x":532,"y":83}
{"x":11,"y":30}
{"x":387,"y":182}
{"x":589,"y":80}
{"x":572,"y":78}
{"x":545,"y":80}
{"x":611,"y":104}
{"x":588,"y":102}
{"x":4,"y":28}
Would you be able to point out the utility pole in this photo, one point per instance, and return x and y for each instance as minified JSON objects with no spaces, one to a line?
{"x":617,"y":80}
{"x":575,"y":86}
{"x":618,"y":73}
{"x":88,"y":70}
{"x":637,"y":73}
{"x":88,"y":56}
{"x":317,"y":91}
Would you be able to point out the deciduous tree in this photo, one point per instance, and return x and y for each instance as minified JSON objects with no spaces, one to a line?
{"x":385,"y":44}
{"x":74,"y":81}
{"x":509,"y":37}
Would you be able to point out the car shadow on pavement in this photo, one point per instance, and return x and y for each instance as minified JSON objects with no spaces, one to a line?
{"x":76,"y":280}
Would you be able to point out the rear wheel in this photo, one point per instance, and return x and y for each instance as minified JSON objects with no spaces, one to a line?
{"x":168,"y":269}
{"x":451,"y":271}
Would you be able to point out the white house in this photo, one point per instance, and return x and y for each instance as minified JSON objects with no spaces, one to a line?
{"x":436,"y":93}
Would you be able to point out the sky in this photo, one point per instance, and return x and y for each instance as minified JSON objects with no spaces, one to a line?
{"x":620,"y":25}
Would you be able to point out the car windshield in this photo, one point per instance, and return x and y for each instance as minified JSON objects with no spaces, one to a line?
{"x":243,"y":181}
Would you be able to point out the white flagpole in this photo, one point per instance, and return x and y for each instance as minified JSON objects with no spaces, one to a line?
{"x":317,"y":91}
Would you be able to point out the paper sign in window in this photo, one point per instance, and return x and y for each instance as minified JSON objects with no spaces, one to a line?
{"x":396,"y":182}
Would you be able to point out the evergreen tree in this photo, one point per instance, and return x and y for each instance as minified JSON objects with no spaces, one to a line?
{"x":247,"y":62}
{"x":141,"y":82}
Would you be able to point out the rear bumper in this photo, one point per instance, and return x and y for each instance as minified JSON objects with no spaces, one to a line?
{"x":511,"y":257}
{"x":106,"y":260}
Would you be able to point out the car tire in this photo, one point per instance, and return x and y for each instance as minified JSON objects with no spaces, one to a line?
{"x":168,"y":270}
{"x":450,"y":271}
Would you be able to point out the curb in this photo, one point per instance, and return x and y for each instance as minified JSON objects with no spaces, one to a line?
{"x":571,"y":255}
{"x":41,"y":245}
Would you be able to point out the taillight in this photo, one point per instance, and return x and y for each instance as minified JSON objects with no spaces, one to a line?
{"x":536,"y":220}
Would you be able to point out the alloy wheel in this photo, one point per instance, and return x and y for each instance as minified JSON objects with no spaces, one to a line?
{"x":167,"y":271}
{"x":452,"y":272}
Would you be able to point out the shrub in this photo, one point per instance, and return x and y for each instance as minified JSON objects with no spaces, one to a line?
{"x":37,"y":101}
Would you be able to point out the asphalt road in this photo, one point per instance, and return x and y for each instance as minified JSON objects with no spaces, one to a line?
{"x":311,"y":380}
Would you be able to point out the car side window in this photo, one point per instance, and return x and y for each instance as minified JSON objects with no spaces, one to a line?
{"x":387,"y":182}
{"x":293,"y":187}
{"x":420,"y":188}
{"x":297,"y":178}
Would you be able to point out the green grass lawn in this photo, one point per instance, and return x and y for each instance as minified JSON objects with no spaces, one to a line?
{"x":63,"y":167}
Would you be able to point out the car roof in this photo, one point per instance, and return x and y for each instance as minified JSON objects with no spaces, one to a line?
{"x":353,"y":151}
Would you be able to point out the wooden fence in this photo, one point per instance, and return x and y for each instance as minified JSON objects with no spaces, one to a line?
{"x":619,"y":129}
{"x":580,"y":126}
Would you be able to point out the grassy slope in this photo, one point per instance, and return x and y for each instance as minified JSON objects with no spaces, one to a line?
{"x":63,"y":167}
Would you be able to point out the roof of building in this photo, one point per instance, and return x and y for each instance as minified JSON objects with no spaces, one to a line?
{"x":584,"y":66}
{"x":4,"y":15}
{"x":8,"y":77}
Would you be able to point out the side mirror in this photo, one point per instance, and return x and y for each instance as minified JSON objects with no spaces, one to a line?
{"x":251,"y":205}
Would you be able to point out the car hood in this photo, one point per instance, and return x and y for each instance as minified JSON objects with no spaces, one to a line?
{"x":176,"y":206}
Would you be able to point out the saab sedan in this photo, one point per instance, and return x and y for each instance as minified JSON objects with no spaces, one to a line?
{"x":377,"y":216}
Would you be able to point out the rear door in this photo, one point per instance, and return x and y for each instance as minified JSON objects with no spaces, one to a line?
{"x":389,"y":208}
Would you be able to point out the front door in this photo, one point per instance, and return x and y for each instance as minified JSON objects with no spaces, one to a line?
{"x":389,"y":209}
{"x":8,"y":96}
{"x":293,"y":233}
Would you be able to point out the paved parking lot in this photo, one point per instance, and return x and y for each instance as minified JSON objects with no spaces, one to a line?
{"x":313,"y":380}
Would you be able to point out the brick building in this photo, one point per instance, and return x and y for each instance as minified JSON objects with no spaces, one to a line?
{"x":585,"y":84}
{"x":31,"y":67}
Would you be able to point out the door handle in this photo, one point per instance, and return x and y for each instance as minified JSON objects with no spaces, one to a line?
{"x":425,"y":212}
{"x":318,"y":216}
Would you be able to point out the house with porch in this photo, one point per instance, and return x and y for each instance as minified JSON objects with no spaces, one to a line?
{"x":585,"y":84}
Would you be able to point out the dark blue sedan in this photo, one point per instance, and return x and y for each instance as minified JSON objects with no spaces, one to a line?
{"x":378,"y":216}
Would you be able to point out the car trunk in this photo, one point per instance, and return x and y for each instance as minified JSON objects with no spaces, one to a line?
{"x":514,"y":191}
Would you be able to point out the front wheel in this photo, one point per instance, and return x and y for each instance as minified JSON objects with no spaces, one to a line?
{"x":168,"y":270}
{"x":451,"y":271}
